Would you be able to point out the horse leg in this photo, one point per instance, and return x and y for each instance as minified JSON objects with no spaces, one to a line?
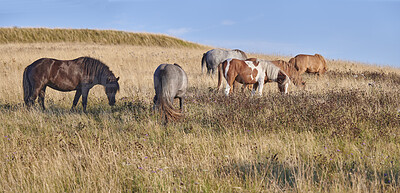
{"x":244,"y":87}
{"x":76,"y":98}
{"x":181,"y":99}
{"x":36,"y":91}
{"x":85,"y":93}
{"x":255,"y":87}
{"x":260,"y":87}
{"x":229,"y":84}
{"x":41,"y":97}
{"x":247,"y":86}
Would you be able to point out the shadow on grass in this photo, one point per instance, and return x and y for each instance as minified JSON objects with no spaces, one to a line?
{"x":288,"y":177}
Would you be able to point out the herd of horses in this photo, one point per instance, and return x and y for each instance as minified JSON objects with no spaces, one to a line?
{"x":170,"y":80}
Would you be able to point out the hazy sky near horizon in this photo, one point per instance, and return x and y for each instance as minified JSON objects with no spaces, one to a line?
{"x":357,"y":30}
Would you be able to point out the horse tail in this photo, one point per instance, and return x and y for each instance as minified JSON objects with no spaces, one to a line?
{"x":220,"y":75}
{"x":203,"y":62}
{"x":28,"y":89}
{"x":167,"y":110}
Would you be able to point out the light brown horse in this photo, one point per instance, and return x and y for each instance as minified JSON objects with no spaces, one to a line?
{"x":80,"y":74}
{"x":251,"y":71}
{"x":291,"y":71}
{"x":309,"y":63}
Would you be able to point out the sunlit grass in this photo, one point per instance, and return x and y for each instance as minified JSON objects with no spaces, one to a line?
{"x":340,"y":134}
{"x":46,"y":35}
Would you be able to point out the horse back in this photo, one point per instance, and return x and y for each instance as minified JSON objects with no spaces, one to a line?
{"x":310,"y":63}
{"x":170,"y":80}
{"x":63,"y":75}
{"x":244,"y":71}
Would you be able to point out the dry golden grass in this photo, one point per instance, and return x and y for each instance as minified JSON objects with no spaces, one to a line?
{"x":339,"y":135}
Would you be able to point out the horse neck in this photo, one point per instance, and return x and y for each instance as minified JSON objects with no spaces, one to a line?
{"x":271,"y":71}
{"x":103,"y":76}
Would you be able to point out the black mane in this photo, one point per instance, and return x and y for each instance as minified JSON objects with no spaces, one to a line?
{"x":95,"y":68}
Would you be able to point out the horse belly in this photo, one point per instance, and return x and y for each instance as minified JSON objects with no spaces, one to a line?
{"x":60,"y":87}
{"x":63,"y":77}
{"x":63,"y":83}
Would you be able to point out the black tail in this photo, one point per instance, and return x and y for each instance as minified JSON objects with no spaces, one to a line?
{"x":28,"y":90}
{"x":203,"y":62}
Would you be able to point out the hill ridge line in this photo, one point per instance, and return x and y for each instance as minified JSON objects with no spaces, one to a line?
{"x":113,"y":37}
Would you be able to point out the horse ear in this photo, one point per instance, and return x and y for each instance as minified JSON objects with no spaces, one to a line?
{"x":117,"y":79}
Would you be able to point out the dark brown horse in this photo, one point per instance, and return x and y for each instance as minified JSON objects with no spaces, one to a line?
{"x":80,"y":74}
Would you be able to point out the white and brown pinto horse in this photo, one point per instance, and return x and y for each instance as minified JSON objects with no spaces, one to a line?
{"x":251,"y":71}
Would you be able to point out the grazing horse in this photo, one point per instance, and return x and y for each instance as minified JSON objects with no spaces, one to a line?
{"x":309,"y":63}
{"x":287,"y":68}
{"x":170,"y":82}
{"x":291,"y":71}
{"x":214,"y":57}
{"x":251,"y":71}
{"x":80,"y":74}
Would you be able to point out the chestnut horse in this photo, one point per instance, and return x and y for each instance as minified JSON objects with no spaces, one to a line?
{"x":80,"y":74}
{"x":309,"y":63}
{"x":251,"y":71}
{"x":291,"y":71}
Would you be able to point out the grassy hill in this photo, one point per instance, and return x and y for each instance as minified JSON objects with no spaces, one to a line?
{"x":340,"y":134}
{"x":35,"y":35}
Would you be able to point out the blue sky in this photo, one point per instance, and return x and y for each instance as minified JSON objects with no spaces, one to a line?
{"x":356,"y":30}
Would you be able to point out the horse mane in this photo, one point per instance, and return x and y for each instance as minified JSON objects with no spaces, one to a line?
{"x":287,"y":67}
{"x":272,"y":70}
{"x":96,"y":69}
{"x":177,"y":65}
{"x":241,"y":52}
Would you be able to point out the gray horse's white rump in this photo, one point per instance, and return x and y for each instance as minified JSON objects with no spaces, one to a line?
{"x":214,"y":57}
{"x":170,"y":82}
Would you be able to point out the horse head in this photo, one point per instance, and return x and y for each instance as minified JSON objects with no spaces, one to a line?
{"x":298,"y":81}
{"x":111,"y":87}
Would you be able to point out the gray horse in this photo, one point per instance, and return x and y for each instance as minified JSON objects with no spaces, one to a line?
{"x":170,"y":82}
{"x":214,"y":57}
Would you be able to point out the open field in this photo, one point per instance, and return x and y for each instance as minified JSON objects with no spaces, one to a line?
{"x":340,"y":134}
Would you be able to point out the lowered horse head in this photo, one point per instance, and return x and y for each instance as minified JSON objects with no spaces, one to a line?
{"x":111,"y":87}
{"x":291,"y":71}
